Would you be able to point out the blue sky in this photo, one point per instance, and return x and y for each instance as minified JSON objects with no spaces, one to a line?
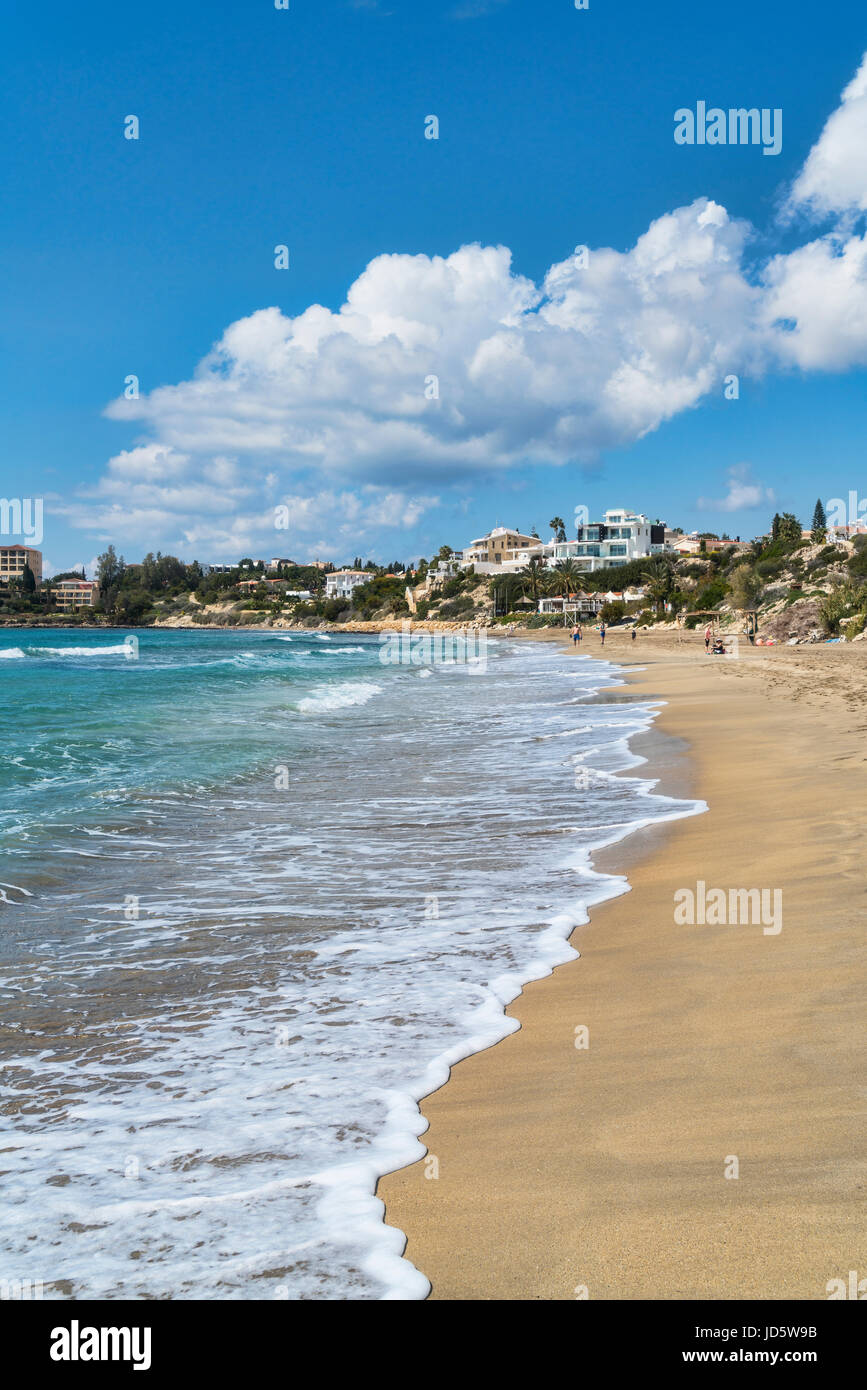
{"x":305,"y":127}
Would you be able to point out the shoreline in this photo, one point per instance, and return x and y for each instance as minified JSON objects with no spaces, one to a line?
{"x":604,"y":1169}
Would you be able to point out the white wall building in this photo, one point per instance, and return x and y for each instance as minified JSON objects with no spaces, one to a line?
{"x":343,"y":583}
{"x":620,"y":537}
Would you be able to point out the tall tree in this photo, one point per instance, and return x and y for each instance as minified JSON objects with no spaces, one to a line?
{"x":659,"y":579}
{"x":28,"y":581}
{"x":819,"y":530}
{"x":789,"y":531}
{"x":558,"y":526}
{"x":109,"y":570}
{"x":745,"y":586}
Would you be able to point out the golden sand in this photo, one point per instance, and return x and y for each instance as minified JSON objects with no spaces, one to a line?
{"x":563,"y":1169}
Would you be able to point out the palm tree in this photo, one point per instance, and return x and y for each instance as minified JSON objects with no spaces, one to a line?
{"x":533,"y":576}
{"x":659,"y":578}
{"x":566,"y":576}
{"x":558,"y":526}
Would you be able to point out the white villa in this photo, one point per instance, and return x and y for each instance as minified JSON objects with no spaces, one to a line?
{"x":342,"y":583}
{"x":620,"y":537}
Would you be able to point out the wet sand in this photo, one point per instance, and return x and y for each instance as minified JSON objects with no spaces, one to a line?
{"x":713,"y":1049}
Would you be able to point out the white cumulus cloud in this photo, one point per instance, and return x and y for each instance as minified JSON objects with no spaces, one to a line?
{"x":437,"y":369}
{"x":742,"y":493}
{"x":834,"y":176}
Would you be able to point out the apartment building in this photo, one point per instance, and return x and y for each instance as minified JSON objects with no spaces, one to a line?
{"x":13,"y":559}
{"x":76,"y":593}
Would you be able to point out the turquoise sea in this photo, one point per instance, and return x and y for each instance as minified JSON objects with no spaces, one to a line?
{"x":259,"y":891}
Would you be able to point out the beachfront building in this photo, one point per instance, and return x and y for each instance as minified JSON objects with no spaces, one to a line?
{"x":277,"y":561}
{"x":343,"y":583}
{"x":501,"y":551}
{"x":13,"y":559}
{"x":622,"y":536}
{"x":634,"y":595}
{"x":578,"y":605}
{"x":70,"y":594}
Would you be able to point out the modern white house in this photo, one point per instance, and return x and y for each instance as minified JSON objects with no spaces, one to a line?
{"x":620,"y":537}
{"x":343,"y":583}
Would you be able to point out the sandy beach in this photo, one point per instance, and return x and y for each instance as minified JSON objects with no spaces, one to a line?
{"x":607,"y":1171}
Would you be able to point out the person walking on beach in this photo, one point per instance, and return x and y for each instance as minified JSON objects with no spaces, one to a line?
{"x":707,"y":637}
{"x":633,"y":634}
{"x":602,"y":633}
{"x":576,"y":635}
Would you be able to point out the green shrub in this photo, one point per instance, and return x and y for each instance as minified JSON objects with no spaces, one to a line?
{"x":453,"y":586}
{"x":857,"y":563}
{"x":711,"y":595}
{"x":824,"y":557}
{"x":456,"y":608}
{"x":767,"y":569}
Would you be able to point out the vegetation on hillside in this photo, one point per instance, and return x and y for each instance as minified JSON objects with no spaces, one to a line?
{"x":800,"y":587}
